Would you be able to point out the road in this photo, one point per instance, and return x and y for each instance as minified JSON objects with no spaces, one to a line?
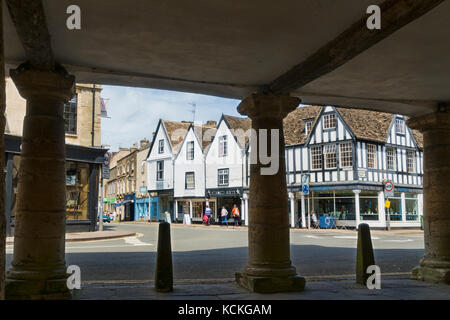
{"x":216,"y":253}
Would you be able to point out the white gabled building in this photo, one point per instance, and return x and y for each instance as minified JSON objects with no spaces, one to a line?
{"x":167,"y":141}
{"x":226,"y":165}
{"x":189,"y":172}
{"x":347,"y":155}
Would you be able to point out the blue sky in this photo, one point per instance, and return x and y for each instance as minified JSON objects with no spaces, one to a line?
{"x":134,"y":112}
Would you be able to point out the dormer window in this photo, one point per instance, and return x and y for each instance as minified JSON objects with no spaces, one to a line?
{"x":329,"y":121}
{"x":308,"y":126}
{"x":400,"y":126}
{"x":161,"y":146}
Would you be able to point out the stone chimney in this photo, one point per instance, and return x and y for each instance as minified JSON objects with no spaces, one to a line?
{"x":211,"y":123}
{"x":144,"y":142}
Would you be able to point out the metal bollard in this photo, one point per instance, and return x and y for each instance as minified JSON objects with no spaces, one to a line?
{"x":164,"y":272}
{"x":364,"y":256}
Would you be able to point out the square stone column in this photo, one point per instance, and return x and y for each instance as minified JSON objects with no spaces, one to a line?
{"x":38,"y":268}
{"x":435,"y":265}
{"x":269,"y":267}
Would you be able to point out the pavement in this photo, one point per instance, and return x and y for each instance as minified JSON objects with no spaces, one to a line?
{"x":393,"y":287}
{"x":89,"y":236}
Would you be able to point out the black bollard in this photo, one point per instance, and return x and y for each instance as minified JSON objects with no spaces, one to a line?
{"x":164,"y":272}
{"x":364,"y":256}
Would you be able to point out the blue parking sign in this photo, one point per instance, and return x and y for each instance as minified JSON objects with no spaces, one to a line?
{"x":305,"y":189}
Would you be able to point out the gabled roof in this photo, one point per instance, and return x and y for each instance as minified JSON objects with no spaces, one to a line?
{"x":239,"y":127}
{"x":176,"y":131}
{"x":294,"y":124}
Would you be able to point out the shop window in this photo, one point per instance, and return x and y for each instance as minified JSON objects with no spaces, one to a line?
{"x":197,"y":209}
{"x":395,"y":209}
{"x":77,"y":190}
{"x":412,"y":213}
{"x":70,"y":116}
{"x":368,"y":205}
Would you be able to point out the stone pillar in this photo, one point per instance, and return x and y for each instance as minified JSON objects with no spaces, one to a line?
{"x":435,"y":265}
{"x":357,"y":211}
{"x":38,"y":267}
{"x":269,"y":267}
{"x":403,"y":202}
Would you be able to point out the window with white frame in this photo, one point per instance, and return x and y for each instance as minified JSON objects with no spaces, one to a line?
{"x":223,"y":177}
{"x":411,"y":161}
{"x":400,"y":126}
{"x":330,"y":156}
{"x":346,"y":153}
{"x":190,"y":180}
{"x":329,"y":121}
{"x":391,"y":155}
{"x":371,"y":156}
{"x":161,"y":146}
{"x":223,"y":146}
{"x":308,"y":126}
{"x":190,"y":150}
{"x":160,"y":170}
{"x":316,"y":158}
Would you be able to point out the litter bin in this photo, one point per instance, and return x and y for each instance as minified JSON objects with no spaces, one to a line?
{"x":327,"y":222}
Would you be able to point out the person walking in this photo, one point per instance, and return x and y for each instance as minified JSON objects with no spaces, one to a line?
{"x":208,"y":212}
{"x":224,"y":215}
{"x":235,"y":214}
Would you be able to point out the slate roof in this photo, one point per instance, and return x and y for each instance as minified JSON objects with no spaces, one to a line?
{"x":239,"y":127}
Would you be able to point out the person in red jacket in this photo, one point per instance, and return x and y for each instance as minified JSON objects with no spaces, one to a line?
{"x":236,"y":215}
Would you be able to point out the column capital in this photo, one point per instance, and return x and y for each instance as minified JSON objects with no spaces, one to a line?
{"x":260,"y":106}
{"x":32,"y":82}
{"x":431,"y":121}
{"x":356,"y":191}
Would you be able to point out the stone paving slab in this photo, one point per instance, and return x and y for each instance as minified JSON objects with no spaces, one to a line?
{"x":392,"y":288}
{"x":89,"y":236}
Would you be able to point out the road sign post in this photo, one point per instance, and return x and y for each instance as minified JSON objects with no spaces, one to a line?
{"x":388,"y":193}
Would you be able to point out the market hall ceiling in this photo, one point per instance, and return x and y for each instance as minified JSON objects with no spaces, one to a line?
{"x":318,"y":50}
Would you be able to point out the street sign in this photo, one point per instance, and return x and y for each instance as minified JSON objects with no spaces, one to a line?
{"x":105,"y":165}
{"x":143,"y":189}
{"x":388,"y":189}
{"x":305,"y":189}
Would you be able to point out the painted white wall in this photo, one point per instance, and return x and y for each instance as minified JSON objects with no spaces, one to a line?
{"x":233,"y":161}
{"x":155,"y":156}
{"x":182,"y":165}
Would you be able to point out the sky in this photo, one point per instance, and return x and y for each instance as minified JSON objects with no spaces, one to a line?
{"x":134,"y":112}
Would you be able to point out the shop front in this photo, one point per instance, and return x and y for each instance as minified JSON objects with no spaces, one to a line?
{"x":82,"y":181}
{"x":142,"y":209}
{"x":165,"y":204}
{"x":364,"y":204}
{"x":194,"y":207}
{"x":224,"y":197}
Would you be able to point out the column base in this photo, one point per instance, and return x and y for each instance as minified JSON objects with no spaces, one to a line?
{"x":291,"y":283}
{"x":54,"y":289}
{"x":432,"y":271}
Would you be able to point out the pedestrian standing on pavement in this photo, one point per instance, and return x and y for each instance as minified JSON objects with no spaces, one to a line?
{"x":224,"y":215}
{"x":235,"y":214}
{"x":208,"y":214}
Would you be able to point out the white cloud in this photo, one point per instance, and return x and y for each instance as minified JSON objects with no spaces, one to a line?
{"x":134,"y":112}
